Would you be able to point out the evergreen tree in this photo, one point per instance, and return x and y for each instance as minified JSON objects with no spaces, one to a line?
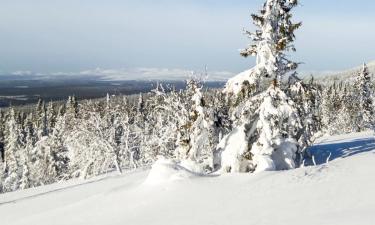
{"x":363,"y":89}
{"x":276,"y":147}
{"x":327,"y":109}
{"x":273,"y":39}
{"x":195,"y":144}
{"x":347,"y":113}
{"x":11,"y":156}
{"x":51,"y":116}
{"x":306,"y":97}
{"x":59,"y":153}
{"x":41,"y":119}
{"x":71,"y":112}
{"x":268,"y":137}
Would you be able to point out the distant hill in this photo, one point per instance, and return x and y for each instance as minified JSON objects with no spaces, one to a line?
{"x":23,"y":92}
{"x":346,"y":75}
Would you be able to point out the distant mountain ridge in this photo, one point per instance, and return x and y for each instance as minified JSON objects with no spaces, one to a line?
{"x":345,"y":75}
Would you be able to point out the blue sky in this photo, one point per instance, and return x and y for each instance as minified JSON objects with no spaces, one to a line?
{"x":75,"y":35}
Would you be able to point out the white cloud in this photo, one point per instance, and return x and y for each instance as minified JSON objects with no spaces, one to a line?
{"x":134,"y":74}
{"x":153,"y":74}
{"x":22,"y":73}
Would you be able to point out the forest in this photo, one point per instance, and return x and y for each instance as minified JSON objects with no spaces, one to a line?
{"x":264,"y":119}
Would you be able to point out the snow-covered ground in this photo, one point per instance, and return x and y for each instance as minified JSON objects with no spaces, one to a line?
{"x":341,"y":192}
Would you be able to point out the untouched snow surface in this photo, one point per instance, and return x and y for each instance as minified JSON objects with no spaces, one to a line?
{"x":341,"y":192}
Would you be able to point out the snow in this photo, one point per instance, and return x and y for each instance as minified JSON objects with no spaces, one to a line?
{"x":341,"y":192}
{"x":341,"y":146}
{"x":234,"y":85}
{"x":166,"y":170}
{"x":234,"y":145}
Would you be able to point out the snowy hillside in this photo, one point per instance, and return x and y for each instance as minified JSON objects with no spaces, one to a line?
{"x":341,"y":192}
{"x":345,"y":75}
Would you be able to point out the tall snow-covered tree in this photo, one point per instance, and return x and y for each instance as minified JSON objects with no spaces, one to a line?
{"x":51,"y":117}
{"x":348,"y":111}
{"x":306,"y":97}
{"x":71,"y":112}
{"x":270,"y":43}
{"x":198,"y":125}
{"x":12,"y":156}
{"x":363,"y":89}
{"x":326,"y":109}
{"x":27,"y":156}
{"x":41,"y":119}
{"x":273,"y":39}
{"x":266,"y":135}
{"x":59,"y":155}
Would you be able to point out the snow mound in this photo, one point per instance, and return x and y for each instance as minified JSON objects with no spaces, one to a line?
{"x":234,"y":85}
{"x":166,"y":170}
{"x":193,"y":167}
{"x":264,"y":163}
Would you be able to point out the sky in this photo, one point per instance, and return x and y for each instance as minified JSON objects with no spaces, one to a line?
{"x":57,"y":36}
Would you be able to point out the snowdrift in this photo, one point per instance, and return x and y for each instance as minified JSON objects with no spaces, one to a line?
{"x":165,"y":170}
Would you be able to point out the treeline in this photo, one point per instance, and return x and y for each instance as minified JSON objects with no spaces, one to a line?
{"x":83,"y":139}
{"x":349,"y":106}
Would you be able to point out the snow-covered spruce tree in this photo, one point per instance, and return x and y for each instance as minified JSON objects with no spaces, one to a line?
{"x":114,"y":131}
{"x":41,"y":120}
{"x":347,"y":114}
{"x":11,"y":155}
{"x":139,"y":122}
{"x":183,"y":141}
{"x":220,"y":125}
{"x":265,"y":137}
{"x":51,"y":117}
{"x":25,"y":178}
{"x":26,"y":156}
{"x":29,"y":157}
{"x":306,"y":97}
{"x":198,"y":124}
{"x":71,"y":112}
{"x":326,"y":109}
{"x":270,"y":42}
{"x":59,"y":154}
{"x":331,"y":104}
{"x":364,"y":92}
{"x":195,"y":144}
{"x":276,"y":147}
{"x":124,"y":143}
{"x":48,"y":154}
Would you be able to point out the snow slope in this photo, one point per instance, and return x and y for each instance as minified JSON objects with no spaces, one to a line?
{"x":345,"y":75}
{"x":341,"y":192}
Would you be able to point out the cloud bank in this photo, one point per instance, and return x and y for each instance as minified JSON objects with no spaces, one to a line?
{"x":128,"y":74}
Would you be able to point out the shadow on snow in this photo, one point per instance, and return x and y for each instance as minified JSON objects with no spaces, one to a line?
{"x":339,"y":149}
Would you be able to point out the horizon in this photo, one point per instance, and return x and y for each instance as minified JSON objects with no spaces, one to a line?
{"x":134,"y":39}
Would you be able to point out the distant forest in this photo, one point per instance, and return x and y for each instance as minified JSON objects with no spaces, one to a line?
{"x":16,"y":92}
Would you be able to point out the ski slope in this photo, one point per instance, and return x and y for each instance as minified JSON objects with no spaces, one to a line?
{"x":341,"y":192}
